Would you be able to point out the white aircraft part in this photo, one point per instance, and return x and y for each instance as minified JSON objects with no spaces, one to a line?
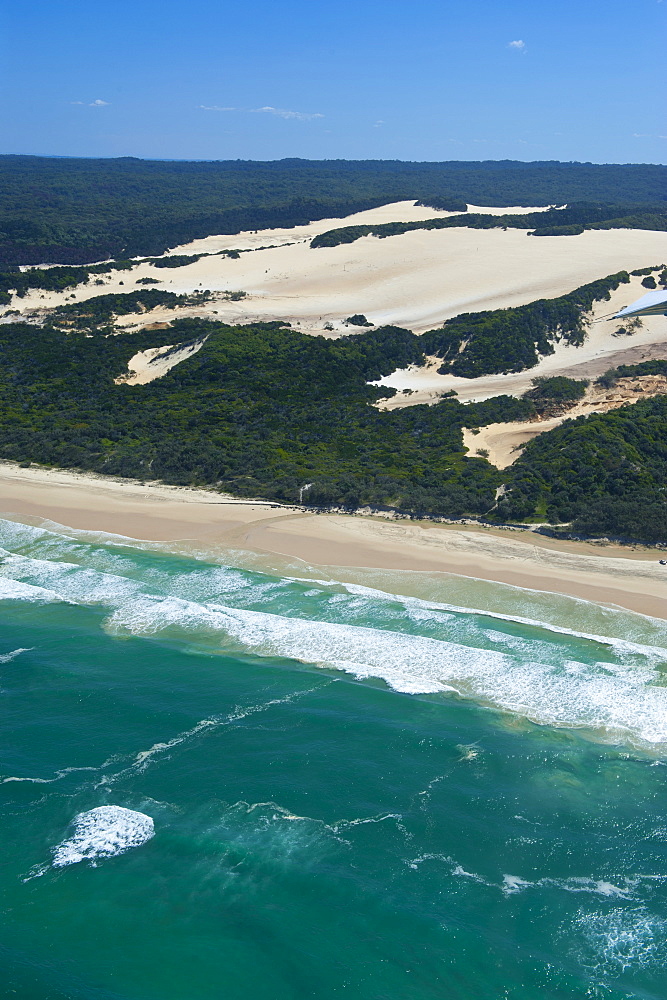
{"x":651,"y":304}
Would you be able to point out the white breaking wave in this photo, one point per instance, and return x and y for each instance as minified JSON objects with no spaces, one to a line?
{"x":13,"y":590}
{"x":622,"y":645}
{"x":624,"y":701}
{"x":103,"y":833}
{"x":621,"y":695}
{"x":81,"y":585}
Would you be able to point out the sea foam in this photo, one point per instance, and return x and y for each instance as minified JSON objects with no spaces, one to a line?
{"x":14,"y":590}
{"x":8,"y":657}
{"x":103,"y":832}
{"x":550,"y":675}
{"x":613,"y":941}
{"x":622,"y":700}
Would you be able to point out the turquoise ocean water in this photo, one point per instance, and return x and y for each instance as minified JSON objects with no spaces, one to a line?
{"x":224,"y":779}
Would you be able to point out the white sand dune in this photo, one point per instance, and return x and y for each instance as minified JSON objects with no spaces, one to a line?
{"x":397,"y":211}
{"x":415,"y":280}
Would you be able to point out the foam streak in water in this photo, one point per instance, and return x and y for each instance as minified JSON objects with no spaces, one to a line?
{"x":8,"y":657}
{"x":237,"y":715}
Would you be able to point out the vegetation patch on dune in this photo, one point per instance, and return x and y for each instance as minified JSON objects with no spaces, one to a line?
{"x":101,"y":309}
{"x":511,"y":340}
{"x":569,"y":221}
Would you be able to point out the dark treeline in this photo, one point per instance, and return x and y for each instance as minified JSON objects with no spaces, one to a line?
{"x":76,"y":211}
{"x":572,"y":220}
{"x":443,"y":203}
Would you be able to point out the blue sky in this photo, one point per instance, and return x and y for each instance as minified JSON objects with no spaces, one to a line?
{"x":418,"y":80}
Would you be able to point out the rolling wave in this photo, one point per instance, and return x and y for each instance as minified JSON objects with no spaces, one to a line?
{"x":548,"y":674}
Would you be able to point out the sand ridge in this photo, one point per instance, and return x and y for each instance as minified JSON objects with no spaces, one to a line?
{"x":601,"y":350}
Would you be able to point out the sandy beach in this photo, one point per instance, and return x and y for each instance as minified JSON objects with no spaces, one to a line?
{"x":630,"y":578}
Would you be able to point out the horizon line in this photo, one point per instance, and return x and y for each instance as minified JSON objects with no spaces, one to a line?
{"x":301,"y":159}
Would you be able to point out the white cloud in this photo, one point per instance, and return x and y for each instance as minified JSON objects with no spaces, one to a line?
{"x":379,"y":123}
{"x":99,"y":104}
{"x":519,"y":45}
{"x":268,"y":110}
{"x":283,"y":113}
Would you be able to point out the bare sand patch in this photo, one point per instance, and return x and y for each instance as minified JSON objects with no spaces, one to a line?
{"x":146,"y":366}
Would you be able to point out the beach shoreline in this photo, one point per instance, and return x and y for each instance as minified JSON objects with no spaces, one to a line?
{"x":606,"y":574}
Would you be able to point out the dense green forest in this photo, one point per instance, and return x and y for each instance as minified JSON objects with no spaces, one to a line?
{"x":75,"y":211}
{"x":509,"y":340}
{"x":262,"y":410}
{"x":569,"y":221}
